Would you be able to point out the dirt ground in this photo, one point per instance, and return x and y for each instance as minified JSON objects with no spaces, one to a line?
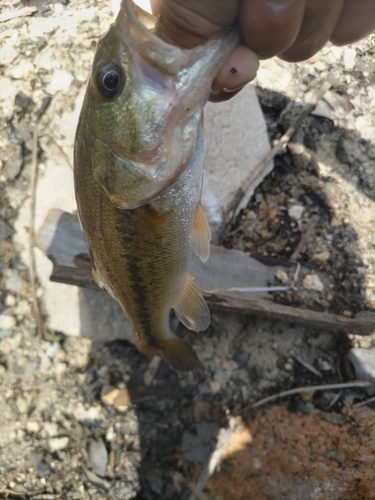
{"x":92,"y":421}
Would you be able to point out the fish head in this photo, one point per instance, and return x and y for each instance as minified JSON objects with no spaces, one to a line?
{"x":143,"y":105}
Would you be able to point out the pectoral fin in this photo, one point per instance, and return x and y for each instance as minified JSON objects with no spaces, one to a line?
{"x":96,"y":277}
{"x":200,"y":235}
{"x":191,"y":308}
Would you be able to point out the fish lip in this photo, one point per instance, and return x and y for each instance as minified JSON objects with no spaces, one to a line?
{"x":138,"y":171}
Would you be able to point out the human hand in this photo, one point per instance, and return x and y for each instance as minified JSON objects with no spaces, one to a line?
{"x":293,"y":30}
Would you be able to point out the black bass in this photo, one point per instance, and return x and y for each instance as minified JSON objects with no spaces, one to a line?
{"x":138,"y":171}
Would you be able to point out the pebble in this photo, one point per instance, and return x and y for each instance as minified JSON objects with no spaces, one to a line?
{"x":22,"y":404}
{"x":110,"y":434}
{"x":93,"y":413}
{"x":321,"y":257}
{"x":109,"y":394}
{"x":61,"y":81}
{"x":53,"y":349}
{"x":5,"y":333}
{"x":10,"y":300}
{"x":350,"y":55}
{"x":97,"y":481}
{"x":31,"y":366}
{"x":51,"y":429}
{"x":56,"y":444}
{"x":13,"y":281}
{"x":281,"y":276}
{"x":7,"y":322}
{"x":312,"y":282}
{"x":32,"y":427}
{"x":122,"y":401}
{"x":98,"y":456}
{"x":296,"y":211}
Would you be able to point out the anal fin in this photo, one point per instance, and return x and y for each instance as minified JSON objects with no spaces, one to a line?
{"x":200,"y":235}
{"x":190,"y":306}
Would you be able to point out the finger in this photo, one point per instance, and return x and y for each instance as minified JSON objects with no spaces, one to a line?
{"x":155,"y":7}
{"x":357,"y":20}
{"x":270,"y":26}
{"x":187,"y":24}
{"x":318,"y":24}
{"x":239,"y":69}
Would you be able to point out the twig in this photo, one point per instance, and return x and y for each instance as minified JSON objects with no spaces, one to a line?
{"x":32,"y":270}
{"x":312,"y":388}
{"x":308,"y":366}
{"x":334,"y":400}
{"x":305,"y":236}
{"x":197,"y":493}
{"x":278,"y":148}
{"x":67,"y":159}
{"x":363,"y":403}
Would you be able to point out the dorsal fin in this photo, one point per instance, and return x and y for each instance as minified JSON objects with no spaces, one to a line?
{"x":200,"y":234}
{"x":190,"y":306}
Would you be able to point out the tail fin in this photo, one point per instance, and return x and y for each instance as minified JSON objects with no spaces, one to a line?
{"x":178,"y":354}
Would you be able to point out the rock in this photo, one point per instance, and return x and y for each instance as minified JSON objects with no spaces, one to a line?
{"x":61,"y":81}
{"x":32,"y":427}
{"x":109,"y":394}
{"x":13,"y":160}
{"x":5,"y":333}
{"x":323,"y":110}
{"x":312,"y":282}
{"x":97,"y":481}
{"x":233,"y":151}
{"x":122,"y":401}
{"x":13,"y":281}
{"x":296,"y":211}
{"x":363,"y":361}
{"x":51,"y":429}
{"x":281,"y":276}
{"x":53,"y":349}
{"x":98,"y":456}
{"x":110,"y":434}
{"x":22,"y":404}
{"x":7,"y":53}
{"x":7,"y":322}
{"x":320,"y":257}
{"x":350,"y":55}
{"x":93,"y":413}
{"x":31,"y":366}
{"x":59,"y":443}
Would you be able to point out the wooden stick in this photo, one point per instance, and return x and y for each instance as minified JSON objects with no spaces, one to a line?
{"x":334,"y":323}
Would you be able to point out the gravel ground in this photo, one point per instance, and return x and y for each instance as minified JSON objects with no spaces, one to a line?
{"x":96,"y":421}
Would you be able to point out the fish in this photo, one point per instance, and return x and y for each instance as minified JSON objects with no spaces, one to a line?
{"x":138,"y":170}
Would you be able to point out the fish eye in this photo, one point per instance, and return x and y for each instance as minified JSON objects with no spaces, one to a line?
{"x":109,"y":81}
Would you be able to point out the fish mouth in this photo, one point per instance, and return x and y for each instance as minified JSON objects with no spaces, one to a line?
{"x":127,"y":184}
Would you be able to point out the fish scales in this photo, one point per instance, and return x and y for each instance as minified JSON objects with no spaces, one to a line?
{"x":138,"y":172}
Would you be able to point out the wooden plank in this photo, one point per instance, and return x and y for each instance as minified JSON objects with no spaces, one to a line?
{"x":61,"y":239}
